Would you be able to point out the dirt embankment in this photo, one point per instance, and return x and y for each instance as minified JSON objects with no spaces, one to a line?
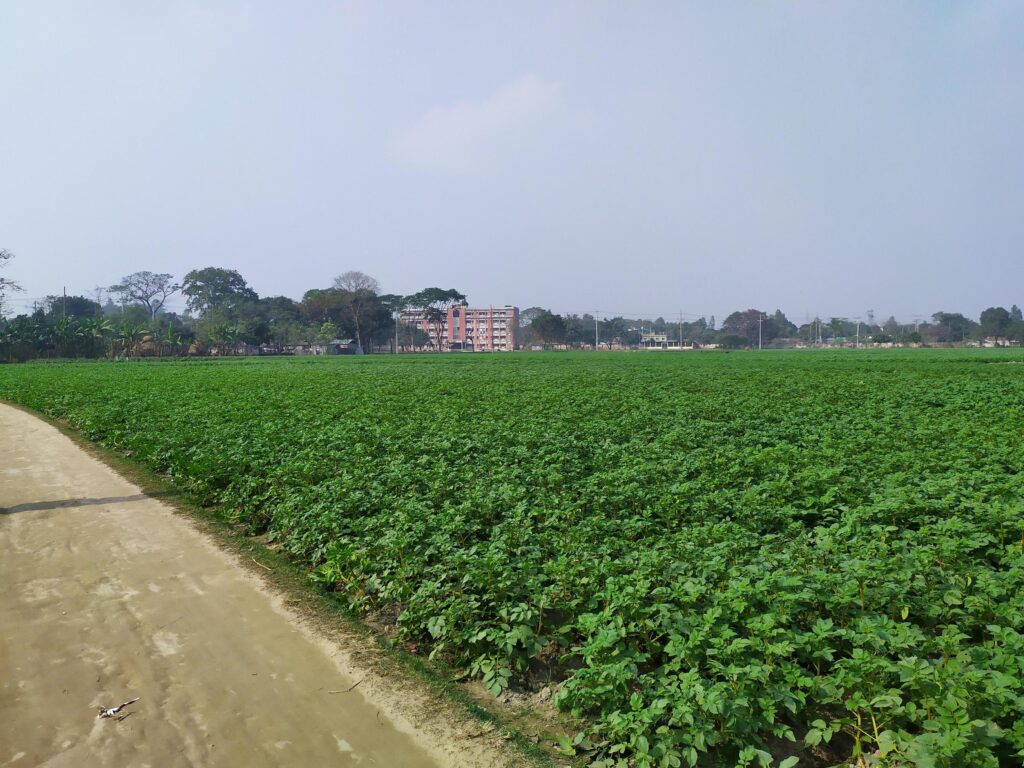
{"x":107,"y":594}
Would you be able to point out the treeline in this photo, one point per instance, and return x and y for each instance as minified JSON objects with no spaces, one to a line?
{"x":752,"y":328}
{"x":224,"y":316}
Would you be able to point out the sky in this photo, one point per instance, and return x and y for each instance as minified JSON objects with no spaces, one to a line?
{"x":637,"y":159}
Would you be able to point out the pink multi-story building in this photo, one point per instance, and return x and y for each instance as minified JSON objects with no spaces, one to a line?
{"x":480,"y":329}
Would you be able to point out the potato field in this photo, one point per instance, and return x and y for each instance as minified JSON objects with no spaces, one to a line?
{"x":748,"y":559}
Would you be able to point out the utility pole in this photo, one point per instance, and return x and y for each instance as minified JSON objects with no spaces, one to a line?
{"x":858,"y":333}
{"x":760,"y":317}
{"x":64,"y":305}
{"x":397,"y":314}
{"x":596,"y":339}
{"x":680,"y":330}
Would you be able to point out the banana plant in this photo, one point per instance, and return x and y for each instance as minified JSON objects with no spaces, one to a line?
{"x":130,"y":336}
{"x":100,"y":332}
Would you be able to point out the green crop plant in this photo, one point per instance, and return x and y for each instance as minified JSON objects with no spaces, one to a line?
{"x":791,"y":559}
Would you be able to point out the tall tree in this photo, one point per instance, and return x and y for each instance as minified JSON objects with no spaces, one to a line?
{"x":579,"y":330}
{"x":70,"y":306}
{"x":839,"y":327}
{"x":618,"y":329}
{"x":1015,"y":314}
{"x":783,"y":326}
{"x":378,"y":322}
{"x":359,"y":297}
{"x":213,"y":287}
{"x":322,"y":305}
{"x":527,"y":315}
{"x":6,"y":284}
{"x":952,"y":326}
{"x":278,"y":309}
{"x":390,"y":329}
{"x":698,"y":331}
{"x":745,"y":325}
{"x":548,"y":328}
{"x":327,"y":333}
{"x":435,"y":303}
{"x":995,"y":321}
{"x":149,"y":289}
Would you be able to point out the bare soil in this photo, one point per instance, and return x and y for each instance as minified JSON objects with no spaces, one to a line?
{"x":107,"y":594}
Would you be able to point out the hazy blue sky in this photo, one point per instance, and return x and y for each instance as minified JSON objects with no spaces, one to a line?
{"x":629,"y":157}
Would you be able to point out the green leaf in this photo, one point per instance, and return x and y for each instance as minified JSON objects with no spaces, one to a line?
{"x":565,"y":745}
{"x":886,"y":742}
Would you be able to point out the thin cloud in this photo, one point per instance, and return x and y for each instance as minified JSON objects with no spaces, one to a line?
{"x":472,"y":135}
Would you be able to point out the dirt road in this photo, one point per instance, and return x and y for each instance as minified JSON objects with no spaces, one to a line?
{"x":107,"y":594}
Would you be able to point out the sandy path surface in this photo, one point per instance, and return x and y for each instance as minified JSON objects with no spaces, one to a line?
{"x":106,"y":594}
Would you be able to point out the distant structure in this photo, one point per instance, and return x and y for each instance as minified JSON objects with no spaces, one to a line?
{"x":333,"y":347}
{"x":338,"y":347}
{"x":660,"y":340}
{"x":654,"y":340}
{"x":475,"y":329}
